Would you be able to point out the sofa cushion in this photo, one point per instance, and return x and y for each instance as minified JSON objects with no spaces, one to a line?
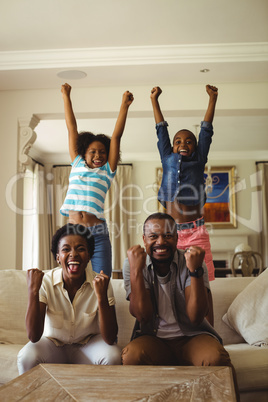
{"x":13,"y":304}
{"x":8,"y":362}
{"x":224,"y":291}
{"x":248,"y":313}
{"x":251,"y":365}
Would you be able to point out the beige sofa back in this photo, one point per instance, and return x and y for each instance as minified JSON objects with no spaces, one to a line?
{"x":13,"y":304}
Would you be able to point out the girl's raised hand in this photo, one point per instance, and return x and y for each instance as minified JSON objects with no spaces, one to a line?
{"x":127,"y":98}
{"x":155,"y":92}
{"x":66,"y":89}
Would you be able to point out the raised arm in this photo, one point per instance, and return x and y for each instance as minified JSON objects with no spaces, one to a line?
{"x":213,"y":95}
{"x":140,"y":300}
{"x":119,"y":129}
{"x":70,"y":120}
{"x":107,"y":316}
{"x":155,"y":93}
{"x":196,"y":294}
{"x":35,"y":315}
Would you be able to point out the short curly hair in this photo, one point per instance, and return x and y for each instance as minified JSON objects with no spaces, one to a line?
{"x":85,"y":138}
{"x":71,"y":229}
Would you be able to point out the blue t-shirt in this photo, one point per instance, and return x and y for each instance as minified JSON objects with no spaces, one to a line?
{"x":87,"y":188}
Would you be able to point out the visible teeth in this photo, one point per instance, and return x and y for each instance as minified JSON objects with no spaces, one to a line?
{"x":73,"y":263}
{"x":159,"y":250}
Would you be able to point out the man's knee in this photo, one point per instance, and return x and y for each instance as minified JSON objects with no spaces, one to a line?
{"x":132,"y":355}
{"x":217,"y":357}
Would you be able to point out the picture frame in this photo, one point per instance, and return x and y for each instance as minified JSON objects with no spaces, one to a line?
{"x":220,"y":208}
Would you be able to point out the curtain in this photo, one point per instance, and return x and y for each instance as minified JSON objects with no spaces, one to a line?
{"x":60,"y":180}
{"x":263,"y":168}
{"x":36,"y":249}
{"x":118,"y":209}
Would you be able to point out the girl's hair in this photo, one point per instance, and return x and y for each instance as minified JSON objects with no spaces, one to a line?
{"x":71,"y":229}
{"x":85,"y":138}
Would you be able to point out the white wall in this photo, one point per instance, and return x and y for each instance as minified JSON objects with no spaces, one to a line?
{"x":20,"y":104}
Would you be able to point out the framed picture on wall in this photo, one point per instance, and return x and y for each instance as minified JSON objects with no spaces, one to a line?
{"x":220,"y":208}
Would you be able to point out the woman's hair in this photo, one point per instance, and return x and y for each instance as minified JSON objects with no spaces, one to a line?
{"x":85,"y":138}
{"x":71,"y":229}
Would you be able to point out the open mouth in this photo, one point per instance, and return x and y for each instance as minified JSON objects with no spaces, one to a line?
{"x":73,"y":266}
{"x":97,"y":162}
{"x":183,"y":152}
{"x":161,"y":251}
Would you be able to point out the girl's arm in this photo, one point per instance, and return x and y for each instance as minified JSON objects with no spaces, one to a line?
{"x":35,"y":315}
{"x":155,"y":93}
{"x":118,"y":130}
{"x":107,"y":316}
{"x":213,"y":95}
{"x":70,"y":120}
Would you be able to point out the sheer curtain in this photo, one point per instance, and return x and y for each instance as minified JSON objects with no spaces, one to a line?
{"x":118,"y":210}
{"x":263,"y":168}
{"x":36,"y":219}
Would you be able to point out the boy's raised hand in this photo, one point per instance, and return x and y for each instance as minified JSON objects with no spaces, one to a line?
{"x":212,"y":91}
{"x":127,"y":98}
{"x":155,"y":92}
{"x":66,"y":89}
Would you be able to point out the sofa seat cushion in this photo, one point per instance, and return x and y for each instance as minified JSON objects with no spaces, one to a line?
{"x":13,"y":305}
{"x":248,"y":313}
{"x":8,"y":362}
{"x":251,"y":365}
{"x":224,"y":291}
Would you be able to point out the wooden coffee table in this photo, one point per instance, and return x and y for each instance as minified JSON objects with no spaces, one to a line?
{"x":73,"y":382}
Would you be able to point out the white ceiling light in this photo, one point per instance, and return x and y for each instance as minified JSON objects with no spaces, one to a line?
{"x":72,"y":74}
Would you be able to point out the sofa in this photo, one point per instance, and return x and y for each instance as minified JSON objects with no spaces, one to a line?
{"x":249,"y":360}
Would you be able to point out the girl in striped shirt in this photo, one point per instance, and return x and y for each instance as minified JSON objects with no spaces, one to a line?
{"x":94,"y":163}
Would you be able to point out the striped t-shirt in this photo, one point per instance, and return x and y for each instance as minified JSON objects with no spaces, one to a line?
{"x":87,"y":188}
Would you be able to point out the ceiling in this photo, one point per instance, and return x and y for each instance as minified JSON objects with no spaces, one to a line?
{"x":137,"y":43}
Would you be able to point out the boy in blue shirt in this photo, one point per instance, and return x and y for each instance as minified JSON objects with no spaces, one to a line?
{"x":182,"y":190}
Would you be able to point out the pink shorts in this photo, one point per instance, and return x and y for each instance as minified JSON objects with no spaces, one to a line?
{"x":197,"y":236}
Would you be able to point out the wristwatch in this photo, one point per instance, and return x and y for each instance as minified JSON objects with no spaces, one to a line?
{"x":198,"y":272}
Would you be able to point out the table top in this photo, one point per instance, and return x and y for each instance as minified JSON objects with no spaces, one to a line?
{"x":73,"y":382}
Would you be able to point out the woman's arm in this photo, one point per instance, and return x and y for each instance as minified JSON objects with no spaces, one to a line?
{"x":107,"y":316}
{"x":118,"y":130}
{"x":35,"y":315}
{"x":70,"y":120}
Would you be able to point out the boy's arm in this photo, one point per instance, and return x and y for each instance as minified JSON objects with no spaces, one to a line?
{"x":118,"y":130}
{"x":70,"y":120}
{"x":158,"y":116}
{"x":213,"y":95}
